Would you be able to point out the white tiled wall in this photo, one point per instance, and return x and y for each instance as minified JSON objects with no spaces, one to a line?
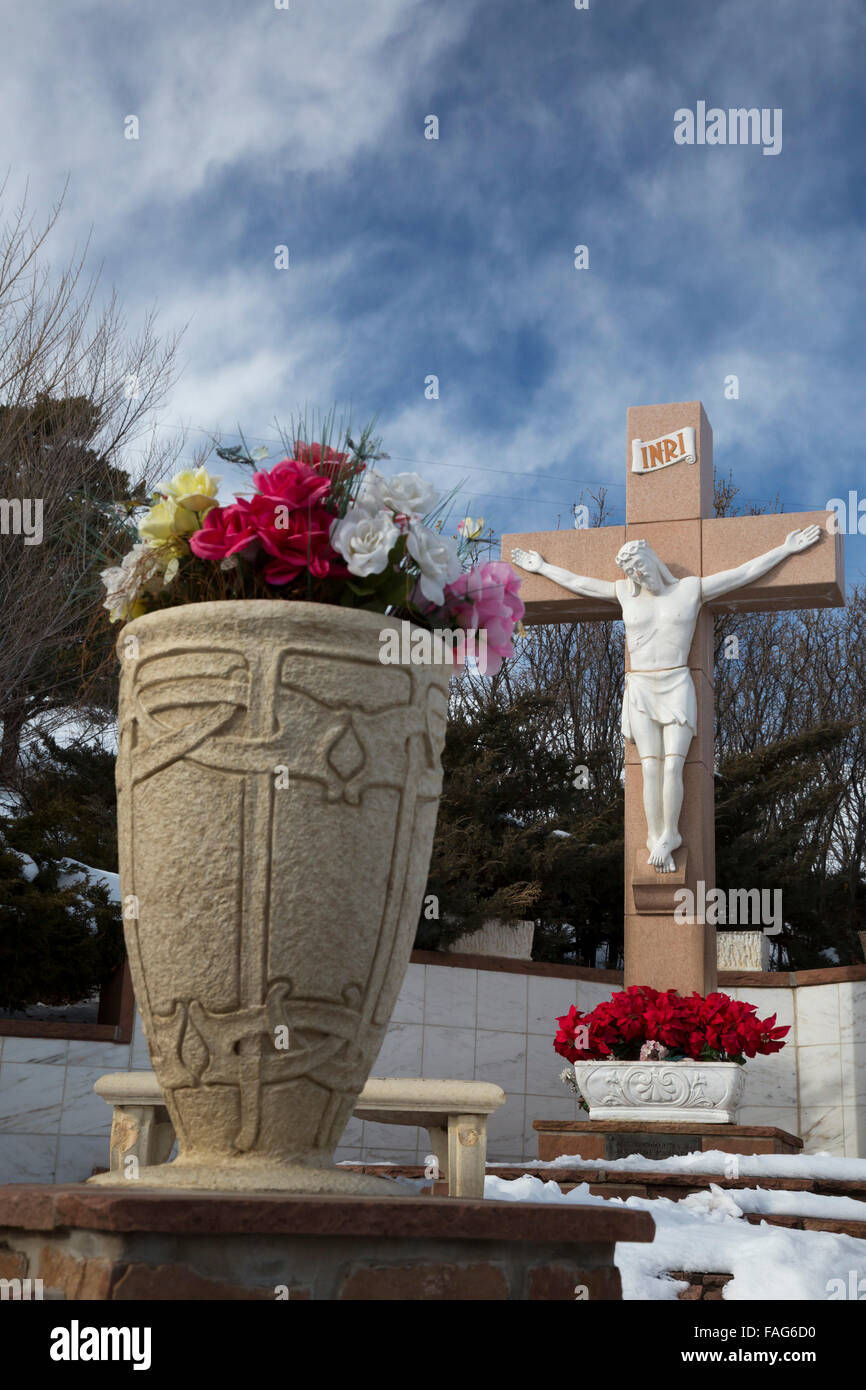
{"x":496,"y":1026}
{"x":53,"y":1127}
{"x":451,"y":1021}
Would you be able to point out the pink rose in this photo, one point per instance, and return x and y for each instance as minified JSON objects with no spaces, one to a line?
{"x":303,"y":543}
{"x":226,"y":531}
{"x":486,"y":597}
{"x":293,"y":483}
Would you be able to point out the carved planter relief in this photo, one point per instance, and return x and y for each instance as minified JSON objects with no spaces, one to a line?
{"x":649,"y":1091}
{"x":277,"y":797}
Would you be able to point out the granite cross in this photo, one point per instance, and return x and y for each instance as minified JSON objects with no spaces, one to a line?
{"x":676,"y":564}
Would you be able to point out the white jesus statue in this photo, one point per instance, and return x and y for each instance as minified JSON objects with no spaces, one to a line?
{"x":659,"y":711}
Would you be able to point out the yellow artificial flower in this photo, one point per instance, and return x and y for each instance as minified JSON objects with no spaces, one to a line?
{"x":471,"y":529}
{"x":193,"y":488}
{"x":166,"y":520}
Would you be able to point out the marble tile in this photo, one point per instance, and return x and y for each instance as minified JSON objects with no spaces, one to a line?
{"x":400,"y":1054}
{"x":853,"y":1056}
{"x":505,"y":1132}
{"x":822,"y":1130}
{"x":51,"y":1051}
{"x":404,"y":1137}
{"x":78,"y":1155}
{"x":352,"y":1135}
{"x":549,"y":999}
{"x":854,"y":1121}
{"x":772,"y":1080}
{"x":27,"y":1157}
{"x":399,"y":1156}
{"x":852,"y":1011}
{"x":782,"y":1116}
{"x":820,"y":1070}
{"x":449,"y":1053}
{"x":501,"y":1058}
{"x":31,"y":1095}
{"x":817,"y":1014}
{"x":543,"y":1067}
{"x":110,"y":1056}
{"x":591,"y":992}
{"x":502,"y":1000}
{"x":410,"y":1001}
{"x":540,"y":1107}
{"x":449,"y":999}
{"x":84,"y":1112}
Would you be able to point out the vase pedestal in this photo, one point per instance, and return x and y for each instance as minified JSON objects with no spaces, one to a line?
{"x":252,"y":1175}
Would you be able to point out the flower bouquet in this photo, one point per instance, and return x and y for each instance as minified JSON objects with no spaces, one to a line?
{"x":322,"y":526}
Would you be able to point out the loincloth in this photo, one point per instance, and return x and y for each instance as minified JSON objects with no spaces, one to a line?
{"x":666,"y":697}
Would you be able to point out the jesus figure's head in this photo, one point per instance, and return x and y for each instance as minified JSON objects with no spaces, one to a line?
{"x":643,"y":568}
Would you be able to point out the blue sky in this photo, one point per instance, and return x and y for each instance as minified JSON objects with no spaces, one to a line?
{"x":408,"y":257}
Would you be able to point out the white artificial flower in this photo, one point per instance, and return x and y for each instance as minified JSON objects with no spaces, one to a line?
{"x":408,"y":493}
{"x":141,"y":570}
{"x":364,"y":541}
{"x":437,"y":559}
{"x":369,"y":499}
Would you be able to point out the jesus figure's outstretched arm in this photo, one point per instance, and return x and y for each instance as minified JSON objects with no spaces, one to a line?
{"x":584,"y":584}
{"x":714,"y":585}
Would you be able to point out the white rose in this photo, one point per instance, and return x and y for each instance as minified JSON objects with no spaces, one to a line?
{"x":369,"y":499}
{"x":364,"y":541}
{"x":408,"y":493}
{"x":437,"y":559}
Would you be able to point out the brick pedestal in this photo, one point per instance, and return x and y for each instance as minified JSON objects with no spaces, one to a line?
{"x":612,"y":1139}
{"x":119,"y":1244}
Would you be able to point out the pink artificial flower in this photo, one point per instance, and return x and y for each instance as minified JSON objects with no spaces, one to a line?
{"x":486,"y":597}
{"x":293,"y":483}
{"x":226,"y":531}
{"x":303,"y":542}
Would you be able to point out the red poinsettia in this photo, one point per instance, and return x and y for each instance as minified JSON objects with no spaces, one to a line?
{"x":715,"y":1028}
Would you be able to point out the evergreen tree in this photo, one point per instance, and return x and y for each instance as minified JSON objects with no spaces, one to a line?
{"x":516,"y":839}
{"x":774,"y":814}
{"x":60,"y":932}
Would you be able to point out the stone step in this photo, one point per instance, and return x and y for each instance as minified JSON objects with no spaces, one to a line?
{"x":617,"y":1182}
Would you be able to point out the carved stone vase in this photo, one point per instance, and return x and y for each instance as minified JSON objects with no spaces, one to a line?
{"x":653,"y":1091}
{"x":277,"y":796}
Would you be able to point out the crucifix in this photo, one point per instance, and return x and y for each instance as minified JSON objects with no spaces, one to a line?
{"x":665,"y":573}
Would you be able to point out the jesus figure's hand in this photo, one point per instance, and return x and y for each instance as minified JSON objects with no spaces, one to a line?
{"x":801,"y":540}
{"x":527,"y":560}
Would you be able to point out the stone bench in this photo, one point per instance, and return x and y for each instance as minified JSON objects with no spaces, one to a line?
{"x":454,"y":1113}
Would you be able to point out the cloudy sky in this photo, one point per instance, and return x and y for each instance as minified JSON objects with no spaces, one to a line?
{"x":408,"y":257}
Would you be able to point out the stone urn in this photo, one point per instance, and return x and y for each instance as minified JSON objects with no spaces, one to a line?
{"x":277,"y":796}
{"x":649,"y":1091}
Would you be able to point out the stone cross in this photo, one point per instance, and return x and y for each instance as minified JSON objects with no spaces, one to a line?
{"x":742,"y":563}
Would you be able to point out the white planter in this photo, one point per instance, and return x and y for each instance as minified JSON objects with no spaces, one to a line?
{"x":651,"y":1091}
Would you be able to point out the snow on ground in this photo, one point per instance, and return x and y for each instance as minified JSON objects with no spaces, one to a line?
{"x":706,"y":1231}
{"x":817,"y":1165}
